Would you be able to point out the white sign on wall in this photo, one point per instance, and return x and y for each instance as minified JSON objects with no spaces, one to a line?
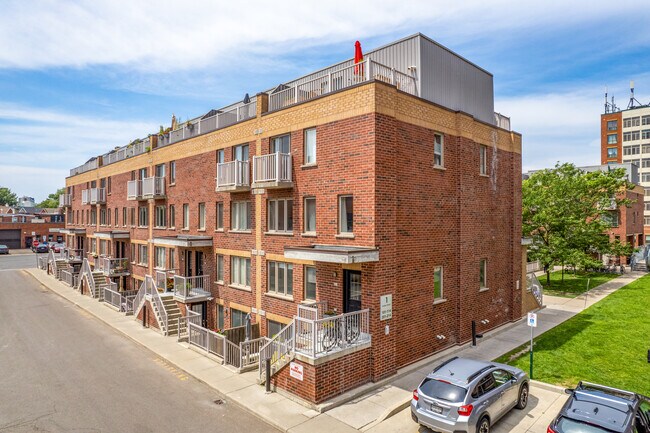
{"x":532,"y":320}
{"x":296,"y":371}
{"x":386,"y":307}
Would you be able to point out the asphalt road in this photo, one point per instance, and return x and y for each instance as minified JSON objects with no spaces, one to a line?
{"x":62,"y":370}
{"x":18,"y":261}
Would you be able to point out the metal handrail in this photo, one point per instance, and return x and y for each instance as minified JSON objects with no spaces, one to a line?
{"x":278,"y":349}
{"x":88,"y":273}
{"x":316,"y":338}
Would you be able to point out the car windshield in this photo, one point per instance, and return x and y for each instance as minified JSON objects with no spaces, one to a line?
{"x":566,"y":425}
{"x":442,"y":390}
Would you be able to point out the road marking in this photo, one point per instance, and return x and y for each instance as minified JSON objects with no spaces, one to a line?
{"x":176,"y":372}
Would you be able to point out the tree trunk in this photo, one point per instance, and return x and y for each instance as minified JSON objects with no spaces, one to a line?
{"x":562,"y":272}
{"x":548,"y":277}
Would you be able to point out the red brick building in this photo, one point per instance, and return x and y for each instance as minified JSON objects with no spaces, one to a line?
{"x":370,"y":212}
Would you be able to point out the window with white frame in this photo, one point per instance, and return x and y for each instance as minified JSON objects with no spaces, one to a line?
{"x":438,"y":150}
{"x":240,"y":271}
{"x":160,"y":170}
{"x":186,"y":216}
{"x":310,"y":215}
{"x":201,"y":216}
{"x":133,"y":216}
{"x":103,"y":251}
{"x":221,"y":156}
{"x":482,"y":159}
{"x":161,"y":214}
{"x":437,"y":283}
{"x":220,"y":317}
{"x":172,"y":172}
{"x":482,"y":275}
{"x":280,"y":215}
{"x":281,"y":144}
{"x":645,"y":134}
{"x":631,"y":150}
{"x":219,"y":222}
{"x":631,"y":136}
{"x":280,"y":278}
{"x":172,"y":215}
{"x":220,"y":268}
{"x":93,"y":217}
{"x":310,"y":283}
{"x":159,"y":257}
{"x":310,"y":146}
{"x":346,"y":219}
{"x":143,"y":219}
{"x":143,"y":254}
{"x":240,"y":152}
{"x":645,"y":120}
{"x":240,"y":215}
{"x":631,"y":121}
{"x":133,"y":253}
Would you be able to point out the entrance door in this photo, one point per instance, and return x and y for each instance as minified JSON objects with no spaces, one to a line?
{"x":351,"y":291}
{"x":188,"y":263}
{"x":198,"y":262}
{"x":202,"y":309}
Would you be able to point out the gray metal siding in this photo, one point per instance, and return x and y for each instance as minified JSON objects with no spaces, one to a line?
{"x":453,"y":82}
{"x":400,"y":56}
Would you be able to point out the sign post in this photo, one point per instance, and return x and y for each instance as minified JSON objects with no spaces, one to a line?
{"x":532,"y":323}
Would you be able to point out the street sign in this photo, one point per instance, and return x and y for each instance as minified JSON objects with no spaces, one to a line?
{"x":296,"y":370}
{"x":532,"y":320}
{"x":386,"y":307}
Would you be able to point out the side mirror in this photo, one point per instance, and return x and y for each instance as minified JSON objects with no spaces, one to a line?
{"x":568,"y":391}
{"x":513,"y":379}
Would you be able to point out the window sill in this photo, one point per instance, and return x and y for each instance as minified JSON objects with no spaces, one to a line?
{"x":440,"y":167}
{"x":143,"y":227}
{"x":345,"y":236}
{"x":238,"y":287}
{"x":279,"y":233}
{"x":185,"y":229}
{"x":241,"y":231}
{"x":201,"y":230}
{"x":483,"y":289}
{"x":160,"y":228}
{"x":172,"y":184}
{"x":483,"y":175}
{"x":439,"y":301}
{"x":310,"y":165}
{"x":308,"y":302}
{"x":218,"y":230}
{"x":279,"y":296}
{"x":219,"y":282}
{"x":142,"y":265}
{"x":309,"y":235}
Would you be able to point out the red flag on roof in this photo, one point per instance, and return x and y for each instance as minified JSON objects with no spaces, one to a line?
{"x":358,"y":58}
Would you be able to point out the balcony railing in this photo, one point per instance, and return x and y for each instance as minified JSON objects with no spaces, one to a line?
{"x":272,"y":171}
{"x":333,"y":80}
{"x":153,"y":187}
{"x":90,"y":165}
{"x":534,"y":266}
{"x":233,"y":176}
{"x":73,"y":255}
{"x":97,"y":195}
{"x":85,"y":196}
{"x":134,"y":190}
{"x":187,"y":288}
{"x":65,"y":200}
{"x":320,"y":337}
{"x":136,"y":148}
{"x":114,"y":267}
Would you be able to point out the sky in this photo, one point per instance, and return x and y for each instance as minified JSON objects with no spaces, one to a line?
{"x":78,"y":78}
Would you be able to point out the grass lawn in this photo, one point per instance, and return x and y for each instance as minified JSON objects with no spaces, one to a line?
{"x":607,"y":343}
{"x":573,"y":285}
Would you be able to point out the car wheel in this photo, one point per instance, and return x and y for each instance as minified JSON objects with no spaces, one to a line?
{"x":522,"y":402}
{"x":483,"y":425}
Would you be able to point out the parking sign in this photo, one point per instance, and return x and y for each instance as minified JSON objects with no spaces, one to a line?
{"x":532,"y":320}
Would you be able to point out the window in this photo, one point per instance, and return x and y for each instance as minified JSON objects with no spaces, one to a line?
{"x":172,"y":172}
{"x":160,"y":170}
{"x":631,"y":136}
{"x":161,"y":214}
{"x":610,"y":218}
{"x":612,"y":125}
{"x":631,"y":150}
{"x":273,"y":328}
{"x":612,"y":152}
{"x":345,"y":214}
{"x":612,"y":139}
{"x":219,"y":268}
{"x":280,"y":215}
{"x":117,"y":216}
{"x":501,"y":377}
{"x":484,"y":385}
{"x":186,"y":216}
{"x":280,"y":278}
{"x":482,"y":274}
{"x":646,"y":221}
{"x":102,"y":217}
{"x":220,"y":317}
{"x":630,"y":122}
{"x":310,"y":146}
{"x":201,"y":216}
{"x":143,"y":255}
{"x":133,"y":216}
{"x":237,"y":318}
{"x":310,"y":283}
{"x":281,"y":144}
{"x":240,"y":271}
{"x":133,"y":253}
{"x":219,"y":222}
{"x":93,"y":217}
{"x":93,"y":246}
{"x":645,"y":120}
{"x":108,"y":217}
{"x":645,"y":177}
{"x":483,"y":159}
{"x":172,"y":258}
{"x":310,"y":215}
{"x":240,"y":215}
{"x":646,"y":192}
{"x":108,"y":185}
{"x":172,"y":215}
{"x":437,"y":283}
{"x":240,"y":153}
{"x":142,"y":216}
{"x":102,"y":248}
{"x":645,"y":163}
{"x":438,"y":150}
{"x":221,"y":158}
{"x":159,"y":257}
{"x":645,"y":134}
{"x":647,"y":205}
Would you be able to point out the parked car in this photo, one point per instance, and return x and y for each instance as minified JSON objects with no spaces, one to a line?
{"x":4,"y":249}
{"x":596,"y":408}
{"x":464,"y":395}
{"x":57,"y":247}
{"x":42,"y":248}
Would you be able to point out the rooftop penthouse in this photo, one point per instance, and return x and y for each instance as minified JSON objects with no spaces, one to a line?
{"x":416,"y":65}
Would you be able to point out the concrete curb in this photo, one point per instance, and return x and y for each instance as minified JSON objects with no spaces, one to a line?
{"x":387,"y":414}
{"x":547,"y":386}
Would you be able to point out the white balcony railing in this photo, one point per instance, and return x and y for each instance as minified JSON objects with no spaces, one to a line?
{"x":192,"y":287}
{"x":85,"y":196}
{"x":534,"y":266}
{"x":319,"y":337}
{"x":90,"y":165}
{"x":153,"y":187}
{"x":233,"y":174}
{"x":97,"y":195}
{"x":113,"y":267}
{"x":274,"y":167}
{"x":65,"y":200}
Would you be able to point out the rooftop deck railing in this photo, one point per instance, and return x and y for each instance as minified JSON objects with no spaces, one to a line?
{"x":90,"y":165}
{"x":274,"y":167}
{"x":136,"y":148}
{"x":233,"y":174}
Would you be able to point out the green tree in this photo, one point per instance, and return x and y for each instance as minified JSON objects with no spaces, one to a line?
{"x":52,"y":200}
{"x":566,"y":212}
{"x":7,"y":197}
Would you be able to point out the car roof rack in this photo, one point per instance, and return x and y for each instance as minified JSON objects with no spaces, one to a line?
{"x":444,"y":363}
{"x":480,"y":372}
{"x":621,"y":393}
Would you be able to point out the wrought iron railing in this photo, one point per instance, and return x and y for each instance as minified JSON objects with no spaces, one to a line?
{"x":274,"y":167}
{"x":233,"y":174}
{"x":316,"y":338}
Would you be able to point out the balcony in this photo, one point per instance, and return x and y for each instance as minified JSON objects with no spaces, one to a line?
{"x":65,"y":200}
{"x":93,"y":196}
{"x":272,"y":171}
{"x":134,"y":190}
{"x":192,"y":289}
{"x":233,"y":176}
{"x":113,"y":267}
{"x":153,"y":187}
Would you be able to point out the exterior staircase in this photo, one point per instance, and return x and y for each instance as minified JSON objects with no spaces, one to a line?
{"x":640,"y":266}
{"x":98,"y":279}
{"x":173,"y":315}
{"x":58,"y":266}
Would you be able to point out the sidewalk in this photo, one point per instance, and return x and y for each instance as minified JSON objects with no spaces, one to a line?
{"x":374,"y":404}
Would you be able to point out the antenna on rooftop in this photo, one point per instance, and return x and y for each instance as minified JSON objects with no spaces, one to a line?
{"x":632,"y":98}
{"x":610,"y":107}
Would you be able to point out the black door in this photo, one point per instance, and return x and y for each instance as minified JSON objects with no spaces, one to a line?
{"x":188,"y":263}
{"x":202,"y":309}
{"x":351,"y":291}
{"x":198,"y":262}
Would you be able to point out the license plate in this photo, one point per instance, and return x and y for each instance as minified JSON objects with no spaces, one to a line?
{"x":436,"y":409}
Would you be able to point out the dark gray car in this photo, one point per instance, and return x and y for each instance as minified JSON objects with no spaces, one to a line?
{"x":464,"y":395}
{"x":4,"y":249}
